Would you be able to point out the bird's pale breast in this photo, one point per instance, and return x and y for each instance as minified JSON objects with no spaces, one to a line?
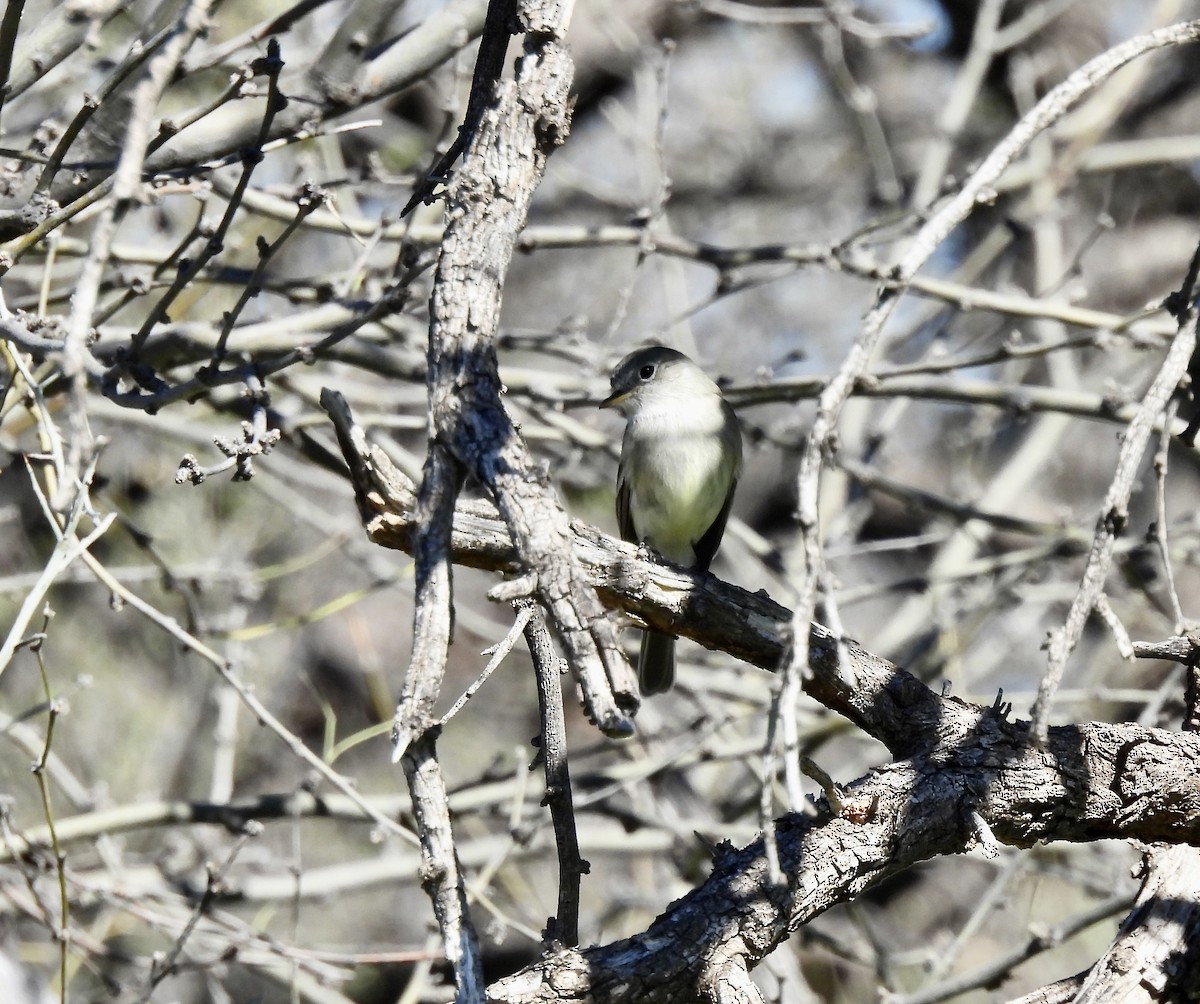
{"x":681,"y":478}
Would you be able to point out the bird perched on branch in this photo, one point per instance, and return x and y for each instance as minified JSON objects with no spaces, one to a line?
{"x":680,"y":461}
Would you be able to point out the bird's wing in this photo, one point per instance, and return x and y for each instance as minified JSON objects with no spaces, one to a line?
{"x":706,"y":546}
{"x":624,"y":514}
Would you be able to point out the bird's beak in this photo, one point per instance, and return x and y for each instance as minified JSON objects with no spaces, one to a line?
{"x":615,"y":399}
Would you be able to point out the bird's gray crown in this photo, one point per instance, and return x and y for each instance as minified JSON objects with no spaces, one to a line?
{"x":642,"y":364}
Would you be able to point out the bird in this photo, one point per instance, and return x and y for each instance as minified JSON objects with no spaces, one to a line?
{"x":681,"y":456}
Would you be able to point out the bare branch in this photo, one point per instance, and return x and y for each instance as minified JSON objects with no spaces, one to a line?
{"x":1114,"y":514}
{"x":563,"y":928}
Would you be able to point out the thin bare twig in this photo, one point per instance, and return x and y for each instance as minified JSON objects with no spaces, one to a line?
{"x":563,"y":928}
{"x":1114,"y":514}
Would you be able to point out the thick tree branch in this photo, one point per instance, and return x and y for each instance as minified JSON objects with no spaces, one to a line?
{"x":1091,"y":782}
{"x":1154,"y":957}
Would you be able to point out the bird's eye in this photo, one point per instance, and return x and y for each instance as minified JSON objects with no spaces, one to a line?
{"x":646,"y":372}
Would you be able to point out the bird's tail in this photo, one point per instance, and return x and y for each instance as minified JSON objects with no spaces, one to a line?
{"x":656,"y":663}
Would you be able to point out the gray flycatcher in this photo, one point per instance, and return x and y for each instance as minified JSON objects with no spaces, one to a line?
{"x":680,"y":461}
